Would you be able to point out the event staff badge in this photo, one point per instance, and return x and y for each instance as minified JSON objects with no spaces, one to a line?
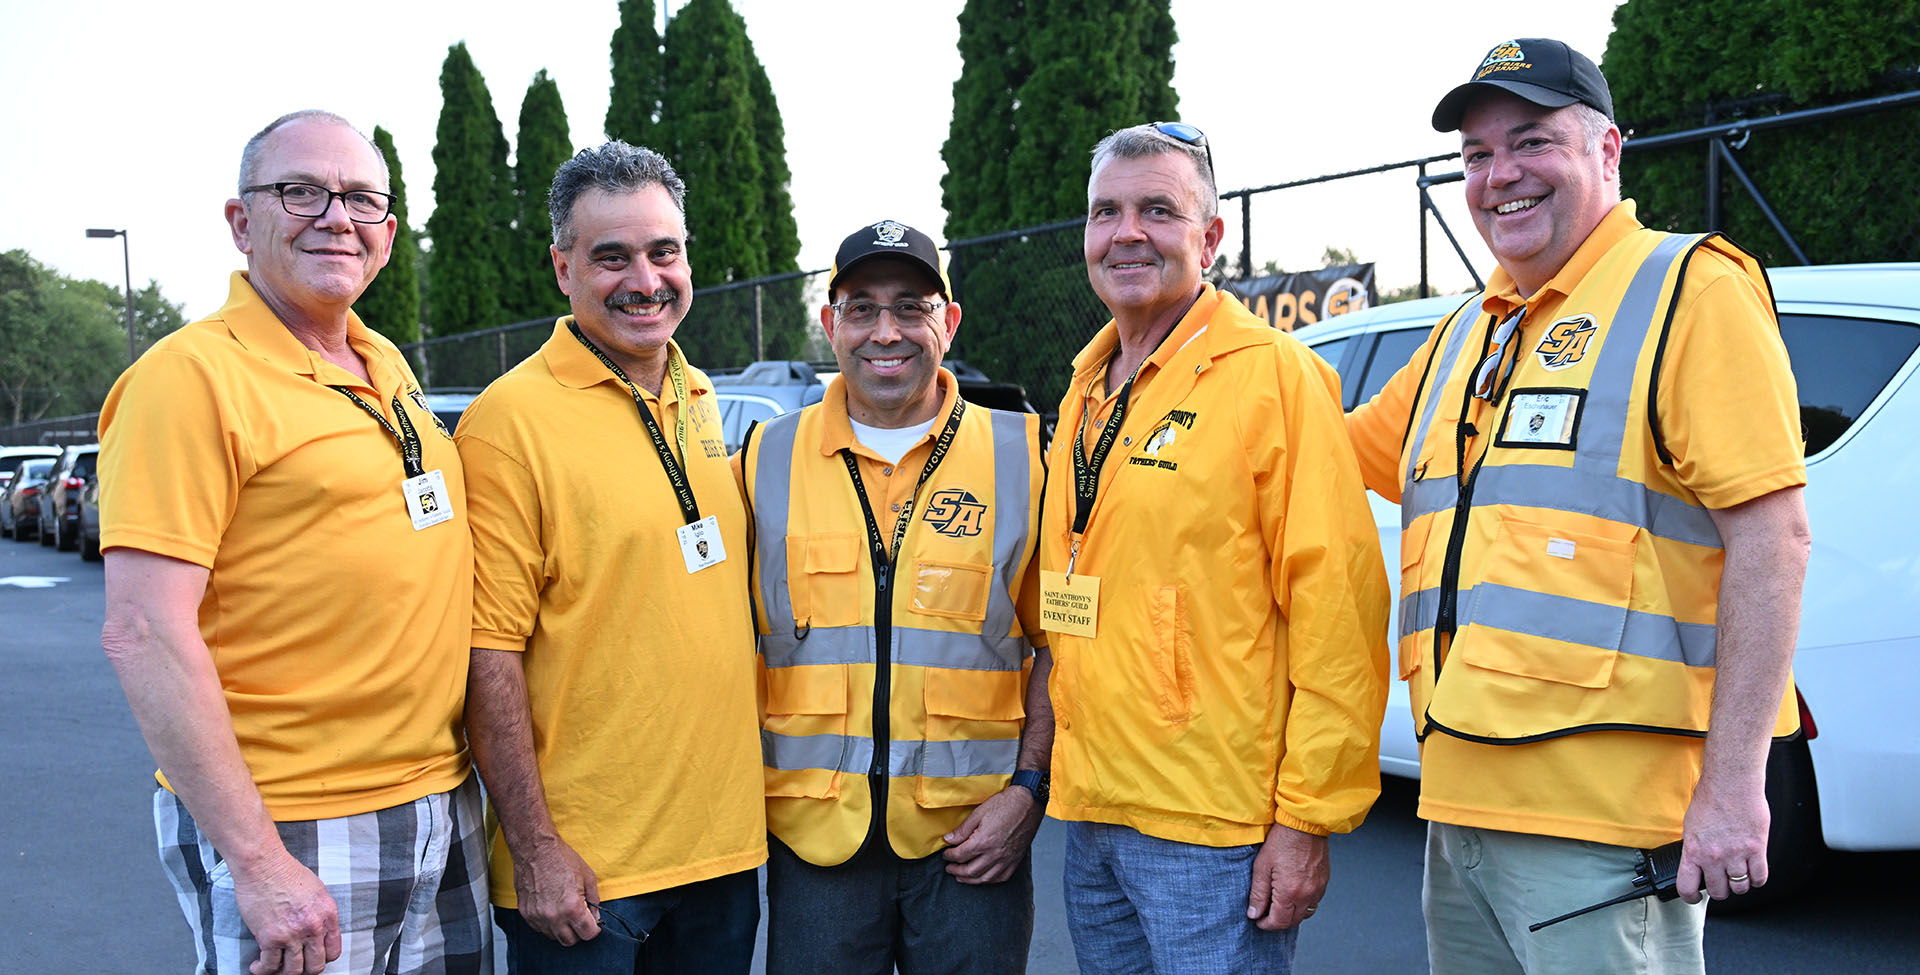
{"x":700,"y":544}
{"x":1540,"y":417}
{"x":428,"y":502}
{"x":1069,"y":604}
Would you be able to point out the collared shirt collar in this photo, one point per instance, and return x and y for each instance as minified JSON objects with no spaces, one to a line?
{"x":260,"y":331}
{"x":1503,"y":295}
{"x":1089,"y":367}
{"x":576,"y":367}
{"x":836,"y":433}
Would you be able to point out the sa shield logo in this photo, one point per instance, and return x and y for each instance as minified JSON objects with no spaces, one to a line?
{"x":956,"y":513}
{"x":1565,"y":343}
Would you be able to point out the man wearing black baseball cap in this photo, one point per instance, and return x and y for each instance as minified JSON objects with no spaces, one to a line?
{"x":1599,"y":469}
{"x":906,"y":727}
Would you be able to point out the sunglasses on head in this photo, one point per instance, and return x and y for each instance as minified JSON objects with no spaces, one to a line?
{"x":1184,"y":133}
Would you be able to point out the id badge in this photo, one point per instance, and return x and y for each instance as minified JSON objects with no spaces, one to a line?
{"x":1069,"y":605}
{"x":428,"y":502}
{"x":1542,"y":418}
{"x":700,"y":544}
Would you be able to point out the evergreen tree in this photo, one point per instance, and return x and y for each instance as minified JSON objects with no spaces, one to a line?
{"x":1153,"y":44}
{"x":473,"y":203}
{"x":783,"y":307}
{"x":542,"y":145}
{"x":1688,"y":63}
{"x":391,"y":304}
{"x":706,"y":129}
{"x":634,"y":99}
{"x":994,"y":64}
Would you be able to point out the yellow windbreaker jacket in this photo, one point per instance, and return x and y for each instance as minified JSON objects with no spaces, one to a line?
{"x":1237,"y":677}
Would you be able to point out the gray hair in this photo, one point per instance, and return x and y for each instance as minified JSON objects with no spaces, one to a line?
{"x":250,"y":156}
{"x":1140,"y":141}
{"x":615,"y":167}
{"x":1593,"y":124}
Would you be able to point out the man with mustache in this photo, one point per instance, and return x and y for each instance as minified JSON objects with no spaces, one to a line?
{"x":611,"y":705}
{"x":289,"y":579}
{"x":906,"y":724}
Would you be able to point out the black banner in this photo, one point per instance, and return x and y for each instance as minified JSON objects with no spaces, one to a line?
{"x":1294,"y":301}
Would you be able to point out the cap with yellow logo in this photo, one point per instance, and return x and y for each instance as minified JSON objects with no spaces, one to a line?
{"x":1543,"y":71}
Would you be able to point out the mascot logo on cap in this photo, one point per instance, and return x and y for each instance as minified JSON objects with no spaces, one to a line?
{"x":889,"y":232}
{"x":1498,"y":59}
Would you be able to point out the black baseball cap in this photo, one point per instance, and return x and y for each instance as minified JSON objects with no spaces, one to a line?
{"x":1541,"y":70}
{"x":889,"y":238}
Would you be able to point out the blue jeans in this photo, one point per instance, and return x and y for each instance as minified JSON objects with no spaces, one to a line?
{"x":878,"y":911}
{"x":698,"y":928}
{"x":1138,"y":905}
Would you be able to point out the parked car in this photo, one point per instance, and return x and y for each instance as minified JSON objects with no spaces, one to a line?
{"x":10,"y":457}
{"x":20,"y":501}
{"x":60,"y":504}
{"x":1853,"y":780}
{"x":767,"y":389}
{"x":90,"y":518}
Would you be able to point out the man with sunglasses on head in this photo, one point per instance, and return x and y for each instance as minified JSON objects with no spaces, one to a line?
{"x":612,"y":700}
{"x":1213,"y":594}
{"x":289,"y":587}
{"x":905,"y":719}
{"x":1599,"y":468}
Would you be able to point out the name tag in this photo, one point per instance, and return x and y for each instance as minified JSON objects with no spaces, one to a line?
{"x":700,"y":544}
{"x":1541,"y":418}
{"x":428,"y":503}
{"x":1069,"y":606}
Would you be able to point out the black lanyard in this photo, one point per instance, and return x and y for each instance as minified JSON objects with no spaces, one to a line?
{"x":1086,"y":470}
{"x":885,"y":555}
{"x":406,"y":438}
{"x":676,"y":477}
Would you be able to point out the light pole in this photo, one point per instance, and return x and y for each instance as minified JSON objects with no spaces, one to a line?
{"x":127,"y":261}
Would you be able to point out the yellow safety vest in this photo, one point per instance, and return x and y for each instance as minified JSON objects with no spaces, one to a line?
{"x":934,"y":641}
{"x":1576,"y":576}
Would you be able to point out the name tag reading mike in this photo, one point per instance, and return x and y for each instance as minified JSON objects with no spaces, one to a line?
{"x":428,"y":503}
{"x":700,"y":544}
{"x":1069,"y":604}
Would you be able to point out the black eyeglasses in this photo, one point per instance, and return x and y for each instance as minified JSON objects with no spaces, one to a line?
{"x":308,"y":200}
{"x":624,"y":931}
{"x":1184,"y":133}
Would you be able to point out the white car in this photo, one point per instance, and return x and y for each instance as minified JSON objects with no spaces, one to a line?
{"x":1852,"y":332}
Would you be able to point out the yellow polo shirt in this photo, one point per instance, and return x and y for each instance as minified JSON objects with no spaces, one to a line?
{"x":339,"y":632}
{"x":640,"y":676}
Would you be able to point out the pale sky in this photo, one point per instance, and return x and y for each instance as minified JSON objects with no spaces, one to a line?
{"x":131,"y":115}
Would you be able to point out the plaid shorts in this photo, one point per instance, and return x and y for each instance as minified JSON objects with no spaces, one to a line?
{"x":410,"y":883}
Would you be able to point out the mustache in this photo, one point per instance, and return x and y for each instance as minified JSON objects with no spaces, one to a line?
{"x":661,"y":296}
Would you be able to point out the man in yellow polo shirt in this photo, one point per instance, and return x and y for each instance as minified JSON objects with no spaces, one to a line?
{"x":289,"y":582}
{"x":906,"y":721}
{"x":611,"y":707}
{"x":1599,"y":470}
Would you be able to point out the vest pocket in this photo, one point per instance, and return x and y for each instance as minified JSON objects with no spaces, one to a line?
{"x":826,"y":586}
{"x":1172,"y":663}
{"x":1552,"y":604}
{"x":1413,"y":549}
{"x":972,"y":735}
{"x":805,"y":742}
{"x":951,"y":590}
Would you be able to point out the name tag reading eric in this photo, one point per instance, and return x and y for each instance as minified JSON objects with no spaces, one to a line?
{"x":700,"y":544}
{"x":1069,"y":605}
{"x":1541,"y":418}
{"x":428,"y":502}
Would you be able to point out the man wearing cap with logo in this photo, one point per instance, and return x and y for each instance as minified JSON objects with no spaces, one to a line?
{"x":1599,"y":469}
{"x":612,"y":705}
{"x":1212,"y":592}
{"x":906,"y":726}
{"x":288,"y":585}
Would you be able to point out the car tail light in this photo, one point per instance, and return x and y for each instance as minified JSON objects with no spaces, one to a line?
{"x":1806,"y":716}
{"x":76,"y":483}
{"x":29,"y":492}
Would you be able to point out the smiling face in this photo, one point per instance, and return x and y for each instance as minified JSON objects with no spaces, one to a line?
{"x":626,"y":275}
{"x":1148,"y":236}
{"x":311,"y":268}
{"x":1536,"y":186}
{"x":889,"y":365}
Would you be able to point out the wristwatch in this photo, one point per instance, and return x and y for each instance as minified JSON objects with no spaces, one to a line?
{"x":1034,"y":781}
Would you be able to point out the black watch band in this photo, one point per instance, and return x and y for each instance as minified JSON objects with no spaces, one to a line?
{"x":1035,"y":781}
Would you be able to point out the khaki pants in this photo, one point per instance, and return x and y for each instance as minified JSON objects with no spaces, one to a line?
{"x":1483,"y":887}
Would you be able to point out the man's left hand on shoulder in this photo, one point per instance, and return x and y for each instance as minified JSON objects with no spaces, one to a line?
{"x":987,"y":846}
{"x":1290,"y":876}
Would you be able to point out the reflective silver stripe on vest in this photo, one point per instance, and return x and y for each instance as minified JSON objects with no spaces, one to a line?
{"x":1591,"y":486}
{"x":1456,"y":338}
{"x":1571,"y":620}
{"x":850,"y":753}
{"x":991,"y":649}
